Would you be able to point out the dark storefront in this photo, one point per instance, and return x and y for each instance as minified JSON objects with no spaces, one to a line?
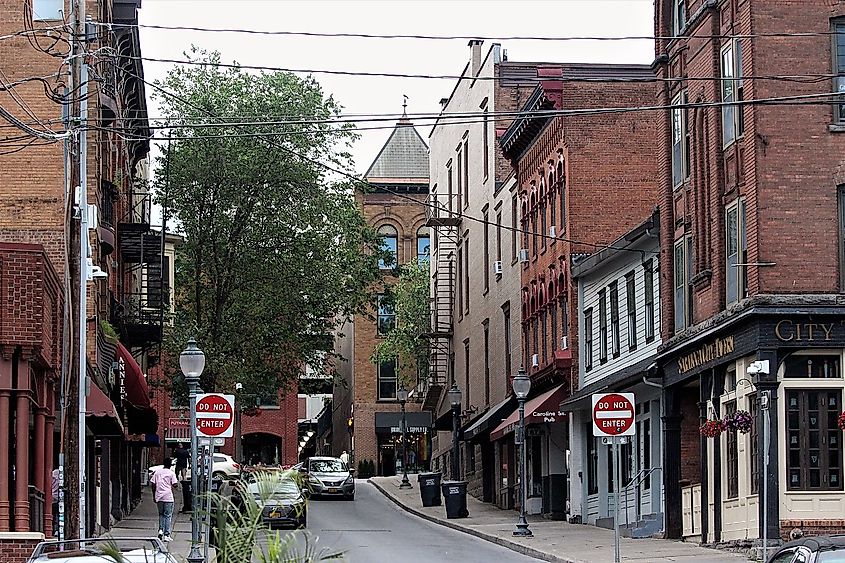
{"x":389,"y":437}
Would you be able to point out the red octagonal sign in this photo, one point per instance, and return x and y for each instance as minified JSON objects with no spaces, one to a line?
{"x":215,"y":415}
{"x":613,"y":414}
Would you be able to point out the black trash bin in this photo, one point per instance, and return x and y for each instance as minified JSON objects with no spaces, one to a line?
{"x":455,"y":497}
{"x":429,"y":488}
{"x":186,"y":496}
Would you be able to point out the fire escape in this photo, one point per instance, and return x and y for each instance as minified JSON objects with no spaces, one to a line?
{"x":444,"y":224}
{"x":138,"y":311}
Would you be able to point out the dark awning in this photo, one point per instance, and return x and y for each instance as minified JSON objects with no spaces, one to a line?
{"x":482,"y":426}
{"x":542,"y":408}
{"x":137,"y":390}
{"x":391,"y":422}
{"x":616,"y":381}
{"x":100,"y":413}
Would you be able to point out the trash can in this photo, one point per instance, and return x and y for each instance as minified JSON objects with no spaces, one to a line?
{"x":455,"y":497}
{"x":429,"y":488}
{"x":186,"y":496}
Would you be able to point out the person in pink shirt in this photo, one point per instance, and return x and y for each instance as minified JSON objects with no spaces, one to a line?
{"x":163,"y":482}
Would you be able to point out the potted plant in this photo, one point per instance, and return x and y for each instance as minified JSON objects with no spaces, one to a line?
{"x":739,"y":421}
{"x":712,"y":428}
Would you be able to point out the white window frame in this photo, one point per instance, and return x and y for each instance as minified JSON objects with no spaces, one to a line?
{"x":680,"y":133}
{"x":732,"y":92}
{"x":736,"y":253}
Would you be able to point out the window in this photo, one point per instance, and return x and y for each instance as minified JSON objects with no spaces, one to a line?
{"x":631,"y":307}
{"x":467,"y":402}
{"x":552,"y":210}
{"x":736,"y":273}
{"x":592,"y":466}
{"x":47,"y":10}
{"x":839,"y":66}
{"x":680,"y":140}
{"x":614,"y":317}
{"x":449,"y":185}
{"x":535,"y":233}
{"x":812,"y":367}
{"x":460,"y":176}
{"x":784,"y":556}
{"x":544,"y":336}
{"x":842,"y":238}
{"x":544,"y":228}
{"x":466,"y":173}
{"x":486,"y":227}
{"x":460,"y":282}
{"x":386,"y":314}
{"x":506,"y":320}
{"x":423,"y":245}
{"x":733,"y":125}
{"x":561,"y":178}
{"x":588,"y":339}
{"x":754,"y":461}
{"x":602,"y":326}
{"x":514,"y":230}
{"x":732,"y":465}
{"x":486,"y":135}
{"x":535,"y":325}
{"x":626,"y":464}
{"x":682,"y":285}
{"x":499,"y":239}
{"x":648,"y":279}
{"x":486,"y":325}
{"x":390,"y":242}
{"x":466,"y":275}
{"x":387,"y":380}
{"x":814,"y":449}
{"x":679,"y":16}
{"x":563,"y":300}
{"x":553,"y":309}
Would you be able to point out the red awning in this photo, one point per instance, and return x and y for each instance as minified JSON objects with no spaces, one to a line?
{"x":101,"y":414}
{"x":542,"y":408}
{"x":137,"y":391}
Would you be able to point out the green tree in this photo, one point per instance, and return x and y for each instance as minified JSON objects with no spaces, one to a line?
{"x":406,"y":340}
{"x":275,"y":251}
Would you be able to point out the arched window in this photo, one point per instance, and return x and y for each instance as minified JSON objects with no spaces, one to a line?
{"x":389,"y":244}
{"x":561,"y":178}
{"x":553,"y":315}
{"x":423,"y":245}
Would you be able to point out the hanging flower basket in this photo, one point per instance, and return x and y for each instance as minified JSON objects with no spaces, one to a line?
{"x":841,"y":421}
{"x":712,"y":428}
{"x":739,"y":421}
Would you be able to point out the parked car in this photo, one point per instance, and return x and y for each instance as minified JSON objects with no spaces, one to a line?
{"x":328,"y":476}
{"x":820,"y":549}
{"x":223,"y":466}
{"x":97,"y":550}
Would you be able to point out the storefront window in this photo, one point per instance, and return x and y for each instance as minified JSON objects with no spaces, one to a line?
{"x":592,"y":466}
{"x":732,"y":455}
{"x":812,"y":367}
{"x":814,"y":449}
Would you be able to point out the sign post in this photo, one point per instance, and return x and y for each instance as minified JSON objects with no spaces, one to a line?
{"x":215,"y":415}
{"x":613,"y":421}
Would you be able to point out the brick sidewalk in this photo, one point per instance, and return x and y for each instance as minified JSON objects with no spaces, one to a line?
{"x":555,"y":541}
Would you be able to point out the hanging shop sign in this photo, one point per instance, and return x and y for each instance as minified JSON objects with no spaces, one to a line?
{"x":711,"y":351}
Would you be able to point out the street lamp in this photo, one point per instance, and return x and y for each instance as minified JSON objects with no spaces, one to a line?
{"x":402,"y":395}
{"x":454,"y":396}
{"x":192,"y":362}
{"x":521,"y":388}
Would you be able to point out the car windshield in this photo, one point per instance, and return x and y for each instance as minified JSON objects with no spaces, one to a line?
{"x":832,"y":556}
{"x":285,"y":488}
{"x":327,"y":466}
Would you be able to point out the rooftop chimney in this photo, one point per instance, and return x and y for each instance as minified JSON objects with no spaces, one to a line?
{"x":475,"y":64}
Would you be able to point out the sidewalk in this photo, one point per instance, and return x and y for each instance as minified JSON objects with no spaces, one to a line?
{"x":559,"y":542}
{"x":143,"y":522}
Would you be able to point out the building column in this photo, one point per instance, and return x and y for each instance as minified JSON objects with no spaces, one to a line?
{"x":49,"y":435}
{"x":5,"y":481}
{"x":704,"y":393}
{"x":39,"y":454}
{"x":769,"y":384}
{"x":671,"y":420}
{"x":22,"y":460}
{"x":718,"y":379}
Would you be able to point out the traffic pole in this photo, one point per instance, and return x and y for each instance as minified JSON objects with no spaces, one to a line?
{"x":616,"y":485}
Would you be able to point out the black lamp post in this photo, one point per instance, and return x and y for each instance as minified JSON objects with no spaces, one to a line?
{"x":192,"y":362}
{"x":402,"y":395}
{"x":454,"y":395}
{"x":521,"y":388}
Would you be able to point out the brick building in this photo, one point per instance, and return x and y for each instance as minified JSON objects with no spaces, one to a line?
{"x":123,"y":320}
{"x":577,"y":193}
{"x":367,"y":392}
{"x":751,"y":200}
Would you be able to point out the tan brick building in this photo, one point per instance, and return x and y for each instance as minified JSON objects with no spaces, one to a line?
{"x":395,"y":208}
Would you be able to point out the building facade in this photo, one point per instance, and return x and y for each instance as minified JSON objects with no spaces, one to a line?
{"x":751,"y":199}
{"x":618,"y":293}
{"x":366,"y":416}
{"x":574,"y":199}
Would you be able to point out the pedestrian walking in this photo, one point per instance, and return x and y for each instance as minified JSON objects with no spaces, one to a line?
{"x":181,"y":453}
{"x":163,"y":482}
{"x":344,"y":457}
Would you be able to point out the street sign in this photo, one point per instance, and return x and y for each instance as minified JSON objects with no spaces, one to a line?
{"x":215,"y":415}
{"x":217,"y":442}
{"x":613,"y":414}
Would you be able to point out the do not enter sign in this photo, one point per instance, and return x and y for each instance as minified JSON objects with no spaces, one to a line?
{"x":215,"y":415}
{"x":613,"y":414}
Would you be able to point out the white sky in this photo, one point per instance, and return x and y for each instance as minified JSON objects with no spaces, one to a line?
{"x":384,"y":94}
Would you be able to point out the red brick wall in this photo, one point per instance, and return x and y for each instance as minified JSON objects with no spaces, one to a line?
{"x":812,"y":527}
{"x":690,"y":436}
{"x":16,"y":550}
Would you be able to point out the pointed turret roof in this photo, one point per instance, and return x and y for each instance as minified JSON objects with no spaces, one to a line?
{"x":403,"y":156}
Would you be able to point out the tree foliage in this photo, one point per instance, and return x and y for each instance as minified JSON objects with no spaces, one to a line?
{"x":406,"y":340}
{"x":275,"y":251}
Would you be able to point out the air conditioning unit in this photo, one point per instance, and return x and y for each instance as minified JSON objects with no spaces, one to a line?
{"x":535,"y":360}
{"x":552,"y":232}
{"x":523,"y":255}
{"x":564,"y":342}
{"x":497,"y":267}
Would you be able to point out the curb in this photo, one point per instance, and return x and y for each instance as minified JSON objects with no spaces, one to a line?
{"x":513,"y":546}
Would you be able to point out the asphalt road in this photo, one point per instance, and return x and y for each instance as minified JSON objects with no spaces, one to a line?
{"x":372,"y":529}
